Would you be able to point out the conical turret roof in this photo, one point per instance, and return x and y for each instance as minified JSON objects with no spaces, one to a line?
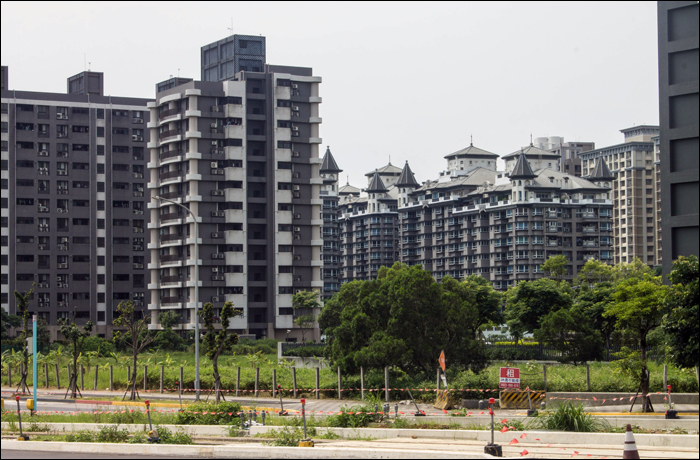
{"x":376,"y":185}
{"x":329,"y":165}
{"x":406,"y":179}
{"x":522,"y":169}
{"x":601,"y":172}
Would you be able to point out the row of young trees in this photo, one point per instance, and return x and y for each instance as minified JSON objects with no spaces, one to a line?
{"x":132,"y":333}
{"x":405,"y":317}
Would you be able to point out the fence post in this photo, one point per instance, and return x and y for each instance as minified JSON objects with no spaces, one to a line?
{"x":340,"y":385}
{"x":111,"y":378}
{"x":82,"y":379}
{"x":294,"y":381}
{"x":46,"y":374}
{"x":317,"y":382}
{"x":438,"y":379}
{"x":58,"y":382}
{"x":362,"y":383}
{"x":588,"y":378}
{"x":94,"y":386}
{"x":386,"y":383}
{"x":665,"y":375}
{"x":544,"y":376}
{"x":9,"y":376}
{"x":182,"y":384}
{"x":128,"y":376}
{"x":257,"y":378}
{"x":238,"y":379}
{"x":162,"y":370}
{"x":274,"y":382}
{"x":145,"y":378}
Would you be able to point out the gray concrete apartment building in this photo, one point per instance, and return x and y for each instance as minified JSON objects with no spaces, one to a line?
{"x":503,"y":225}
{"x":331,"y":227}
{"x":569,"y":152}
{"x":634,"y":194}
{"x":73,"y":217}
{"x":678,"y":31}
{"x":243,"y":156}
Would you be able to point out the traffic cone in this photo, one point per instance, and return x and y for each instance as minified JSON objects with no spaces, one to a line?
{"x":630,"y":446}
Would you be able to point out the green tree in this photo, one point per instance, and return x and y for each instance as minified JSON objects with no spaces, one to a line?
{"x":75,"y":336}
{"x":572,"y":333}
{"x":530,"y":301}
{"x":680,"y":321}
{"x":7,"y":322}
{"x":638,"y":307}
{"x":218,"y":341}
{"x":305,"y":304}
{"x":404,"y":318}
{"x":166,"y":338}
{"x":555,"y":267}
{"x":592,"y":302}
{"x":135,"y":336}
{"x":594,"y":272}
{"x":22,"y":306}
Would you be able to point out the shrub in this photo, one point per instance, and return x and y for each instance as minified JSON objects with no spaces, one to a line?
{"x":287,"y":437}
{"x":138,"y":438}
{"x":216,"y":414}
{"x":570,"y":417}
{"x":306,"y":352}
{"x":111,"y":433}
{"x":167,"y":437}
{"x":95,"y":343}
{"x":355,"y":420}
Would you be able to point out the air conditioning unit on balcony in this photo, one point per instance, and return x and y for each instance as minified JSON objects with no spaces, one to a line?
{"x":295,"y":128}
{"x":136,"y":138}
{"x":295,"y":108}
{"x":296,"y":154}
{"x":60,"y":116}
{"x":217,"y":193}
{"x":215,"y":269}
{"x":214,"y":108}
{"x":64,"y":265}
{"x":43,"y":153}
{"x":297,"y":257}
{"x":214,"y":143}
{"x":138,"y":121}
{"x":297,"y":229}
{"x":216,"y":298}
{"x":215,"y":235}
{"x":213,"y":125}
{"x":297,"y":216}
{"x":295,"y":188}
{"x":295,"y":86}
{"x":214,"y":164}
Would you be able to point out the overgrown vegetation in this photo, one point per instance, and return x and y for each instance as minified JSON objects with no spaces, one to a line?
{"x":570,"y":417}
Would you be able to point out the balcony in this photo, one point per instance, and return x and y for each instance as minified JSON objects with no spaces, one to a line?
{"x":171,"y":301}
{"x":171,"y":216}
{"x":168,"y":113}
{"x":171,"y":175}
{"x":171,"y":279}
{"x":169,"y":154}
{"x":170,"y":257}
{"x":171,"y":237}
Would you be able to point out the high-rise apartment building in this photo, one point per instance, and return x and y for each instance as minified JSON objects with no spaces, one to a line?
{"x":223,"y":59}
{"x":635,"y":218}
{"x":678,"y":30}
{"x":243,"y":156}
{"x":72,"y":188}
{"x":476,"y":220}
{"x":331,"y":228}
{"x":569,"y":152}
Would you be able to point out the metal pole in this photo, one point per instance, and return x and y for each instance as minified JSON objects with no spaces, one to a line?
{"x":196,"y":291}
{"x":665,"y":374}
{"x":182,"y":384}
{"x":34,"y":378}
{"x":294,"y":381}
{"x":362,"y":382}
{"x":317,"y":382}
{"x":340,"y":385}
{"x":162,"y":370}
{"x":386,"y":383}
{"x":544,"y":376}
{"x":588,"y":378}
{"x":274,"y":382}
{"x":303,"y":415}
{"x":94,"y":385}
{"x":438,"y":379}
{"x":58,"y":383}
{"x":46,"y":375}
{"x":238,"y":379}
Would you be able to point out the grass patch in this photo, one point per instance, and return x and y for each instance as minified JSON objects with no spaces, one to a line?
{"x":570,"y":417}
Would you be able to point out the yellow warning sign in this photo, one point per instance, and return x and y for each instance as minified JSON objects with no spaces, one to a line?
{"x":443,"y":401}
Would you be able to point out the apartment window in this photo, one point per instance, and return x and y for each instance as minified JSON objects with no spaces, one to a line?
{"x":100,"y":186}
{"x":81,"y":258}
{"x":100,"y":131}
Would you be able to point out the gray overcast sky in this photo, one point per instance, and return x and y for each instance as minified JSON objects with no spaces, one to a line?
{"x":410,"y":80}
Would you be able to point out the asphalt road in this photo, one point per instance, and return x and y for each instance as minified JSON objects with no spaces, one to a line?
{"x":67,"y":455}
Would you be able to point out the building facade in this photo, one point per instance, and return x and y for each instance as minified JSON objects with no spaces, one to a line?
{"x":73,"y":190}
{"x":634,"y":192}
{"x":243,"y":156}
{"x":568,"y":151}
{"x":678,"y":115}
{"x":331,"y":227}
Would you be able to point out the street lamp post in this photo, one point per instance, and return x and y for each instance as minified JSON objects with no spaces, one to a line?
{"x":196,"y":291}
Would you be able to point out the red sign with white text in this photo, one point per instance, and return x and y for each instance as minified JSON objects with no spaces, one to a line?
{"x":510,"y":377}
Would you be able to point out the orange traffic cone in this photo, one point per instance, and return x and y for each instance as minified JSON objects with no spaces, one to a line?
{"x":630,"y":446}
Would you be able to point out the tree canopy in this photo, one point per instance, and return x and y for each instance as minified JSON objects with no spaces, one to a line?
{"x":405,"y":318}
{"x":680,"y":321}
{"x":529,"y":302}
